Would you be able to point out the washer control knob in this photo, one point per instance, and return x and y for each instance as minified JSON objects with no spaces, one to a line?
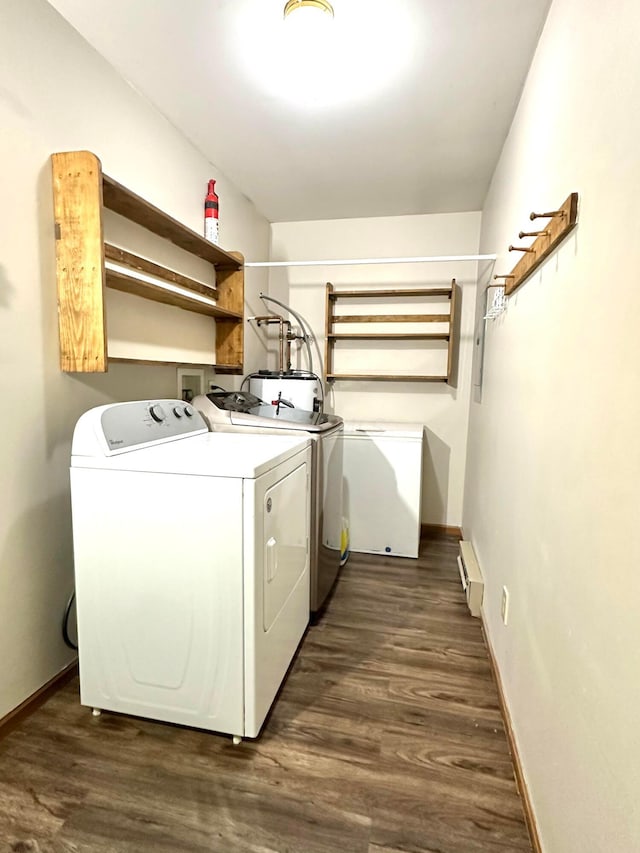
{"x":177,"y":412}
{"x":157,"y":413}
{"x":188,"y":411}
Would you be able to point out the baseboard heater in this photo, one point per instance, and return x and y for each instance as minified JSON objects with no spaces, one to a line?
{"x":472,"y":582}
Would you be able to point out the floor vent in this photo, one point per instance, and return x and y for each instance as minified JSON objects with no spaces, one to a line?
{"x":470,"y":576}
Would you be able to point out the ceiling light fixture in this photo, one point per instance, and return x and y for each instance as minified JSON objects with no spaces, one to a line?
{"x":320,"y":5}
{"x":308,"y":58}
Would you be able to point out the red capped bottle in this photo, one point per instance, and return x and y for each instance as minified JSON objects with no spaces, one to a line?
{"x":211,"y":211}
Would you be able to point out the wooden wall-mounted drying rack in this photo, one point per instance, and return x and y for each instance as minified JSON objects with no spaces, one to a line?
{"x":561,"y":222}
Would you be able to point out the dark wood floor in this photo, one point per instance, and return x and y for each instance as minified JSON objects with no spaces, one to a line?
{"x":386,"y":737}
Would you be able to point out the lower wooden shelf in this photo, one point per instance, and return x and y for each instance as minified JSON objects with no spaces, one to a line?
{"x":219,"y":368}
{"x":393,"y":336}
{"x":391,"y":377}
{"x":120,"y":280}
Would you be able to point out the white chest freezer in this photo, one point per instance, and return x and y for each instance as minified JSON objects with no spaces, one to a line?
{"x":383,"y":486}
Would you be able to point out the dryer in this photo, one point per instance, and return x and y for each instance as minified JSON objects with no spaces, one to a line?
{"x":191,"y":553}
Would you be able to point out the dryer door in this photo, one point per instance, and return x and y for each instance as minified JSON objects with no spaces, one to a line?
{"x":276,"y":580}
{"x":285,"y":542}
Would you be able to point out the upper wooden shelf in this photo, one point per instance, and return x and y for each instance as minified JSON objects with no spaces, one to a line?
{"x":368,"y":294}
{"x":136,"y":209}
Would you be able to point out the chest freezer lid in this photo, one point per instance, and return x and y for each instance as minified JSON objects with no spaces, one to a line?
{"x":383,"y":429}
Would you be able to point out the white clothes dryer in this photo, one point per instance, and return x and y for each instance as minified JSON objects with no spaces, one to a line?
{"x":191,"y":554}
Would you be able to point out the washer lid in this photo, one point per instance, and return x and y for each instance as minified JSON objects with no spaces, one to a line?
{"x":284,"y":417}
{"x":383,"y":429}
{"x":215,"y":411}
{"x":210,"y":454}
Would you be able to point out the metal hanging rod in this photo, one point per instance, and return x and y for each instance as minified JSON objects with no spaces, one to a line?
{"x":428,"y":259}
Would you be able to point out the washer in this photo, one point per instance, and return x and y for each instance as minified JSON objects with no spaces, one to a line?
{"x":191,"y":557}
{"x":239,"y":411}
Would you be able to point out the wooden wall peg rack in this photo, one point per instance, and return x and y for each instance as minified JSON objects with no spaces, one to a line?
{"x":559,"y":223}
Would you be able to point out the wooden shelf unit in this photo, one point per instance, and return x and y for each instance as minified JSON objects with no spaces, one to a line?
{"x":86,"y":265}
{"x":449,"y":318}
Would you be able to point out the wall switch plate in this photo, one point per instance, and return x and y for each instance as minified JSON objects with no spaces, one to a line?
{"x":504,"y":607}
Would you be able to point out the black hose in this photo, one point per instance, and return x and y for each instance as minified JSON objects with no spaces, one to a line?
{"x":65,"y":624}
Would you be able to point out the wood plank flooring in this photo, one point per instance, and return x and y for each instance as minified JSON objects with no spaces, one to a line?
{"x":386,"y":738}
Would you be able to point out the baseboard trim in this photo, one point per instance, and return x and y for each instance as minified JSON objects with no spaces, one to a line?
{"x":513,"y":746}
{"x":24,"y":709}
{"x":435,"y":531}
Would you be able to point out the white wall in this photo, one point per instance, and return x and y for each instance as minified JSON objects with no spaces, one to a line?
{"x":443,"y":410}
{"x":552,"y":494}
{"x":56,"y":94}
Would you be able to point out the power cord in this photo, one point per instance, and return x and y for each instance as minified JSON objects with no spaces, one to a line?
{"x":65,"y":624}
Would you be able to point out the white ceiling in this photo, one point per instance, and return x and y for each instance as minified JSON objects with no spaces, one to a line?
{"x":424,"y":137}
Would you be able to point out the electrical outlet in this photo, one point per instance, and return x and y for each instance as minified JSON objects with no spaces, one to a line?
{"x":504,"y":607}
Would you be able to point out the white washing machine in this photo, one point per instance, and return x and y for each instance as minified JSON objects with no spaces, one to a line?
{"x":191,"y":557}
{"x":242,"y":412}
